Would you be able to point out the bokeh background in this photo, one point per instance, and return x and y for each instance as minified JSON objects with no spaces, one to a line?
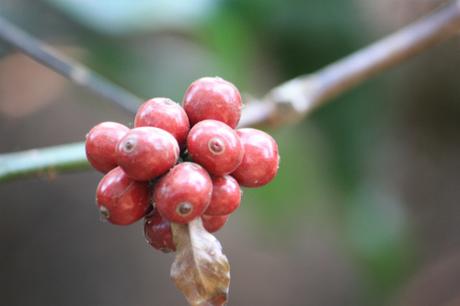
{"x":365,"y":209}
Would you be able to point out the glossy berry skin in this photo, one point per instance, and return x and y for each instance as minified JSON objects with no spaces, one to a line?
{"x":214,"y":223}
{"x":261,"y":160}
{"x":101,"y":143}
{"x":226,"y":196}
{"x":120,"y":199}
{"x":215,"y":146}
{"x":145,"y":153}
{"x":165,"y":114}
{"x":183,"y":193}
{"x":158,"y":232}
{"x":213,"y":98}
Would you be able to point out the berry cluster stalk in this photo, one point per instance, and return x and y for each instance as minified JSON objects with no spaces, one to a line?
{"x":286,"y":103}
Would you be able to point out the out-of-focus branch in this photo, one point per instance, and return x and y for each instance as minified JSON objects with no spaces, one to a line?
{"x":284,"y":104}
{"x":291,"y":101}
{"x":67,"y":67}
{"x":43,"y":162}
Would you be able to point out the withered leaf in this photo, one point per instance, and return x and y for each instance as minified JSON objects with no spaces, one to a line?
{"x":201,"y":271}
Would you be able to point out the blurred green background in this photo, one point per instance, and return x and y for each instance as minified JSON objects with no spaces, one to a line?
{"x":364,"y":211}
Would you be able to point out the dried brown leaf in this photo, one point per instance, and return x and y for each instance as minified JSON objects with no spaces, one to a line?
{"x":201,"y":271}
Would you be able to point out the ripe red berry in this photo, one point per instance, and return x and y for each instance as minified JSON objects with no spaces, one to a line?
{"x":147,"y":152}
{"x":215,"y":146}
{"x":213,"y":98}
{"x":101,"y":143}
{"x":261,"y":160}
{"x":158,"y":232}
{"x":214,"y":223}
{"x":226,"y":196}
{"x":165,"y":114}
{"x":121,"y":200}
{"x":183,"y":193}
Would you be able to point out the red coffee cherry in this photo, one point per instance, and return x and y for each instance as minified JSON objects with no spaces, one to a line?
{"x":226,"y":196}
{"x":261,"y":160}
{"x":213,"y":223}
{"x":158,"y":232}
{"x":183,"y":193}
{"x":215,"y":146}
{"x":121,"y":200}
{"x":101,"y":143}
{"x":213,"y":98}
{"x":147,"y":152}
{"x":165,"y":114}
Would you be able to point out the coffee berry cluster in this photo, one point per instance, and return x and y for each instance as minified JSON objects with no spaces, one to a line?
{"x":180,"y":163}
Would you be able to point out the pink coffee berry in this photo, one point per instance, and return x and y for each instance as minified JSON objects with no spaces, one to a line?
{"x":183,"y":193}
{"x":214,"y":223}
{"x":215,"y":146}
{"x":226,"y":196}
{"x":158,"y":232}
{"x":101,"y":143}
{"x":120,"y":199}
{"x":145,"y":153}
{"x":261,"y":160}
{"x":165,"y":114}
{"x":213,"y":98}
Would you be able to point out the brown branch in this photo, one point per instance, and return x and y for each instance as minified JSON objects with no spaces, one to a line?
{"x":67,"y":67}
{"x":291,"y":101}
{"x":286,"y":103}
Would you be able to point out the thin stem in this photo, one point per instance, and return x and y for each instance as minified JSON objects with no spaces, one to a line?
{"x":286,"y":103}
{"x":67,"y":67}
{"x":291,"y":101}
{"x":47,"y":161}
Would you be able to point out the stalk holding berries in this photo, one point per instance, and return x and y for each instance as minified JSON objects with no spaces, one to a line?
{"x":181,"y":169}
